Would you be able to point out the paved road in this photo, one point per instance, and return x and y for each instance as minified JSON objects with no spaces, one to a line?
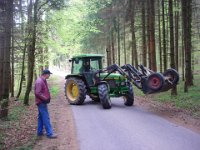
{"x":128,"y":128}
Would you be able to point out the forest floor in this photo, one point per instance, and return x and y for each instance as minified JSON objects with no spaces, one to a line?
{"x":22,"y":134}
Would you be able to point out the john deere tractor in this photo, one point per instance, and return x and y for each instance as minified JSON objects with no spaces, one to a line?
{"x":88,"y":77}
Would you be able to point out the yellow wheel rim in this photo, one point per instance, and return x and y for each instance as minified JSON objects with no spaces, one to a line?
{"x":72,"y":90}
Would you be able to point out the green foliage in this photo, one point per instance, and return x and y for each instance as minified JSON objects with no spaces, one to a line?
{"x":72,"y":28}
{"x":55,"y":88}
{"x":54,"y":91}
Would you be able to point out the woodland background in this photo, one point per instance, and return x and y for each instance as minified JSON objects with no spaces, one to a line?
{"x":36,"y":34}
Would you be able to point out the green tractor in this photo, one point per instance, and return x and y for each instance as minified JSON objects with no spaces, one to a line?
{"x":88,"y":77}
{"x":81,"y":82}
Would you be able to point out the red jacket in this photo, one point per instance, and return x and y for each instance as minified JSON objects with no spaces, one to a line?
{"x":42,"y":94}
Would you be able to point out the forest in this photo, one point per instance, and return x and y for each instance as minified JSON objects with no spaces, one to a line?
{"x":37,"y":34}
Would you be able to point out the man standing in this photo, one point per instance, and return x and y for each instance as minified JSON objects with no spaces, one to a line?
{"x":42,"y":98}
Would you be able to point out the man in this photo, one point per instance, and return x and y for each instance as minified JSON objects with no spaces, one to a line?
{"x":42,"y":98}
{"x":85,"y":67}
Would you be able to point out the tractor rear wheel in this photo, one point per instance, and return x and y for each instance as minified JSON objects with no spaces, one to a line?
{"x":129,"y":97}
{"x":104,"y":96}
{"x":75,"y":91}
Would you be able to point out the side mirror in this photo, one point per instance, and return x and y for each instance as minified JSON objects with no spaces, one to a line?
{"x":70,"y":60}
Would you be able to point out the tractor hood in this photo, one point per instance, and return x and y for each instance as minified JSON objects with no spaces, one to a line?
{"x":112,"y":76}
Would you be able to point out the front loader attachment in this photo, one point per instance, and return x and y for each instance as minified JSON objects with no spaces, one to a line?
{"x":157,"y":82}
{"x":145,"y":79}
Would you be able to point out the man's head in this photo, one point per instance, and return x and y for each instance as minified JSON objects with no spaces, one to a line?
{"x":46,"y":73}
{"x":87,"y":63}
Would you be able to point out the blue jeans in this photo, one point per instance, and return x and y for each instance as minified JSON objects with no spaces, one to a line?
{"x":43,"y":120}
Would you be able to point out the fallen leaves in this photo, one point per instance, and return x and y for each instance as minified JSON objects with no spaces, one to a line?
{"x":21,"y":131}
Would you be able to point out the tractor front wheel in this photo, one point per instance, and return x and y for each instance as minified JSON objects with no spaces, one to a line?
{"x":129,"y":97}
{"x":75,"y":91}
{"x":104,"y":96}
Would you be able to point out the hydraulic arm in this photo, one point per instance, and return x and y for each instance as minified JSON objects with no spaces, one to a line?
{"x":144,"y":79}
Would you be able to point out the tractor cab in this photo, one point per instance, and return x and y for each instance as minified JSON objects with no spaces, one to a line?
{"x":86,"y":63}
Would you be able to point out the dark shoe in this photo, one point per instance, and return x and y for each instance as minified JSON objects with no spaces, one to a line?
{"x":53,"y":136}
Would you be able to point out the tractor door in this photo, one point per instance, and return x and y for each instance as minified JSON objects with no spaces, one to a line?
{"x":91,"y":65}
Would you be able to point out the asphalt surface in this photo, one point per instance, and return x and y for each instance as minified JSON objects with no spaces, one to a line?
{"x":128,"y":128}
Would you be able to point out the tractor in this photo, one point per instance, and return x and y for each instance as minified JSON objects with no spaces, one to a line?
{"x":88,"y":77}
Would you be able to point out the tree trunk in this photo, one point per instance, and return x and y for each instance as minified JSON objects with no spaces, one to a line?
{"x":148,"y":33}
{"x":31,"y":51}
{"x":5,"y":45}
{"x":172,"y":62}
{"x":113,"y":46}
{"x":144,"y":46}
{"x":108,"y":52}
{"x":151,"y":31}
{"x":164,"y":36}
{"x":159,"y":39}
{"x":125,"y":61}
{"x":12,"y":67}
{"x":134,"y":47}
{"x":187,"y":20}
{"x":22,"y":77}
{"x":183,"y":55}
{"x":132,"y":28}
{"x":176,"y":35}
{"x":118,"y":40}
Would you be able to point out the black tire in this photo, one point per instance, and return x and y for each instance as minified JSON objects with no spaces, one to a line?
{"x":173,"y":74}
{"x":155,"y":81}
{"x":94,"y":97}
{"x":129,"y":97}
{"x":75,"y":91}
{"x":104,"y":96}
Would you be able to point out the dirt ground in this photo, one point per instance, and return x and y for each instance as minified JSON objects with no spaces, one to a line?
{"x":63,"y":125}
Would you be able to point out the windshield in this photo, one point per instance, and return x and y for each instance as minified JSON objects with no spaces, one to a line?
{"x":86,"y":65}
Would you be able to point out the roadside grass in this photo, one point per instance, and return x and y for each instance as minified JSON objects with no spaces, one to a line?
{"x":53,"y":86}
{"x":189,"y":101}
{"x":54,"y":91}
